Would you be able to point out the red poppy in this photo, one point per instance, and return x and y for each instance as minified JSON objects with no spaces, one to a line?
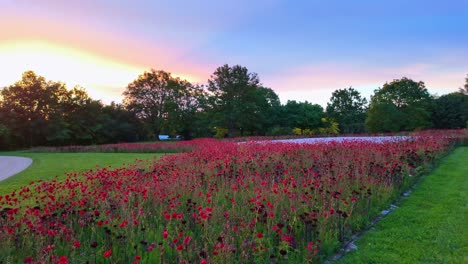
{"x":76,"y":244}
{"x":108,"y":253}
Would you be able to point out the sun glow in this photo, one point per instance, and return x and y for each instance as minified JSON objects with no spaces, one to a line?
{"x":103,"y":78}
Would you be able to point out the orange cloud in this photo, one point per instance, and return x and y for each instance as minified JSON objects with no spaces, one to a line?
{"x":103,"y":61}
{"x":103,"y":78}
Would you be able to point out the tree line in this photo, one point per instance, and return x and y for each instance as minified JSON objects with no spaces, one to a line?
{"x":38,"y":112}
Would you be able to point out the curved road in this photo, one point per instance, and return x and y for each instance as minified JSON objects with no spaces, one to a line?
{"x":10,"y":166}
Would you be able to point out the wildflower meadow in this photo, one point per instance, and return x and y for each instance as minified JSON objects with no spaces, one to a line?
{"x":222,"y":202}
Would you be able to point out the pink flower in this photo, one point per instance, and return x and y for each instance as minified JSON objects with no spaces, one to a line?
{"x":187,"y":240}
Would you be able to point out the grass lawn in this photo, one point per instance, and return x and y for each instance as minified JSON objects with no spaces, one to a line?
{"x":429,"y":227}
{"x":46,"y":166}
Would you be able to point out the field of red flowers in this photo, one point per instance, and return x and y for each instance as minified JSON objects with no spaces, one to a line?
{"x":223,"y":202}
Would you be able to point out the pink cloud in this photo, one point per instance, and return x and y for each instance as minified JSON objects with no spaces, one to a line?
{"x":337,"y":76}
{"x":315,"y":83}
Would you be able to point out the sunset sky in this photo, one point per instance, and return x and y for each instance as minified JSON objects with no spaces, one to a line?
{"x":303,"y":50}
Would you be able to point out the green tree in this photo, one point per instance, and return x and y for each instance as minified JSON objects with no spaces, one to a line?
{"x":232,"y":90}
{"x":349,"y":109}
{"x":185,"y":110}
{"x":302,"y":115}
{"x":158,"y":99}
{"x":464,"y":90}
{"x":30,"y":107}
{"x":400,"y":105}
{"x":263,"y":108}
{"x":450,"y":111}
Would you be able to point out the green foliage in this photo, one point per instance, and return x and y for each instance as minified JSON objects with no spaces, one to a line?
{"x":29,"y":105}
{"x":384,"y":117}
{"x":400,"y":105}
{"x":348,"y":108}
{"x":302,"y":115}
{"x":464,"y":90}
{"x":279,"y":131}
{"x":42,"y":112}
{"x":327,"y":127}
{"x":4,"y":135}
{"x":450,"y":111}
{"x":233,"y":96}
{"x":262,"y":110}
{"x":221,"y":132}
{"x":162,"y":102}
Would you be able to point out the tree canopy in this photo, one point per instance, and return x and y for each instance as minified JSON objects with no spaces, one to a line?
{"x":160,"y":100}
{"x":303,"y":115}
{"x":464,"y":90}
{"x":400,"y":105}
{"x":349,"y":109}
{"x":232,"y":96}
{"x":450,"y":111}
{"x":35,"y":111}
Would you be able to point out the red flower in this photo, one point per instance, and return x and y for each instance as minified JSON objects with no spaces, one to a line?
{"x":310,"y":245}
{"x":108,"y":253}
{"x":123,"y":224}
{"x":28,"y":260}
{"x":165,"y":234}
{"x":203,"y":261}
{"x":259,"y":235}
{"x":286,"y":238}
{"x":187,"y":240}
{"x":63,"y":260}
{"x":76,"y":244}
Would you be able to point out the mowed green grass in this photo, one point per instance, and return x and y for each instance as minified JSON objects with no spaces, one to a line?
{"x":47,"y":166}
{"x":431,"y":226}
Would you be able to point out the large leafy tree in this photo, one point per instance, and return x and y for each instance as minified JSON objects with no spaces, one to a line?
{"x":302,"y":115}
{"x":400,"y":105}
{"x":349,"y":109}
{"x":232,"y":90}
{"x":263,"y":107}
{"x":30,"y":107}
{"x":34,"y":111}
{"x":450,"y":111}
{"x":185,"y":110}
{"x":158,"y":99}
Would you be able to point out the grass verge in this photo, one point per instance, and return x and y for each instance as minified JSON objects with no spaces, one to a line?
{"x":429,"y":227}
{"x":46,"y":166}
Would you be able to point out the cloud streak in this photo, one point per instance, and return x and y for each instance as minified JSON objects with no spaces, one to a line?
{"x":315,"y":83}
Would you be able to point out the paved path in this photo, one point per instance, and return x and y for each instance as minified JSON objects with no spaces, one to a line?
{"x":10,"y":166}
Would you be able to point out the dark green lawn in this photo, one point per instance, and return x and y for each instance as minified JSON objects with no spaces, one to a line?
{"x":429,"y":227}
{"x":46,"y":166}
